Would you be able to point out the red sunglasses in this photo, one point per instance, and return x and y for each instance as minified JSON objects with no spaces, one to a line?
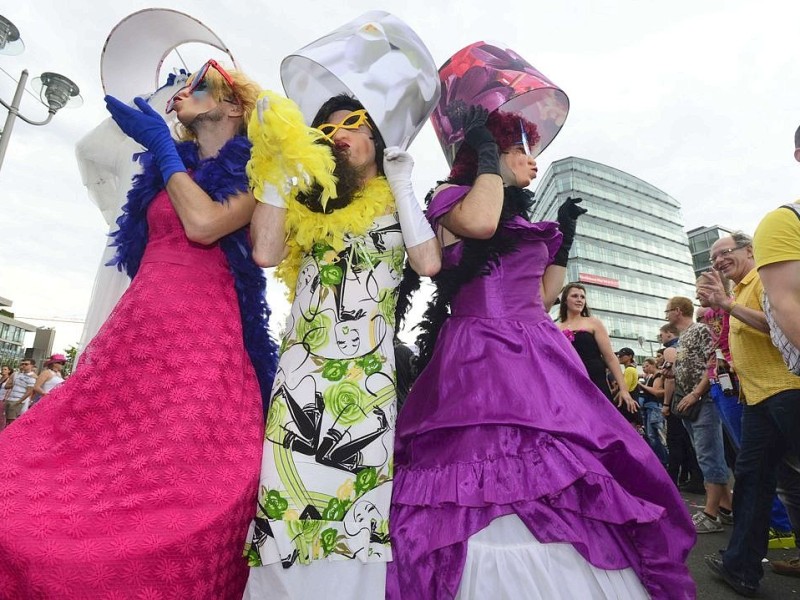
{"x":198,"y":82}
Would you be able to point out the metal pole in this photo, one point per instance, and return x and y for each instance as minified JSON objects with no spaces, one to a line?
{"x":12,"y":115}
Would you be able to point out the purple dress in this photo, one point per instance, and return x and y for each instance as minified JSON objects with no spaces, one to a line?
{"x":504,"y":420}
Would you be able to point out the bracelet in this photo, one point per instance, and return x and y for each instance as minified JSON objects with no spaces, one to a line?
{"x":732,"y":305}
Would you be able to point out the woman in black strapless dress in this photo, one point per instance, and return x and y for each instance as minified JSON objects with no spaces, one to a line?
{"x":590,"y":340}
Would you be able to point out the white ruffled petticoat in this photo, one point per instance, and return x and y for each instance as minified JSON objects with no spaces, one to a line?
{"x":506,"y":562}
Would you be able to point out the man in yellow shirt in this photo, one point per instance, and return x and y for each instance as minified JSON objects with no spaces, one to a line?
{"x":627,"y":359}
{"x":777,"y":257}
{"x":777,"y":254}
{"x":770,"y":420}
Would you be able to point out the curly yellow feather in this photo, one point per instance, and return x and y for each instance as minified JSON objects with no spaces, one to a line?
{"x":286,"y":154}
{"x":304,"y":228}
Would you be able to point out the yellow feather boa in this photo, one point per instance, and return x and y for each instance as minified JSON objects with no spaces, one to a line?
{"x":287,"y":159}
{"x":285,"y":155}
{"x":304,"y":228}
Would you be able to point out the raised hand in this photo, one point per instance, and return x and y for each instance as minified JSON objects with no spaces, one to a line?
{"x":143,"y":124}
{"x":475,"y":131}
{"x":397,"y":166}
{"x":567,"y":218}
{"x":146,"y":126}
{"x":570,"y":209}
{"x":262,"y":106}
{"x":711,"y":289}
{"x":480,"y":139}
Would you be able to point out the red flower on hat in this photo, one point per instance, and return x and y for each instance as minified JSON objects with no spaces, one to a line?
{"x":459,"y":64}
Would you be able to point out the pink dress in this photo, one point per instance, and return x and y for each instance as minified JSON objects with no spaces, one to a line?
{"x":142,"y":487}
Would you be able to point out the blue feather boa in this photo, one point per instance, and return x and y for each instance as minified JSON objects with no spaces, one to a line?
{"x":220,"y":177}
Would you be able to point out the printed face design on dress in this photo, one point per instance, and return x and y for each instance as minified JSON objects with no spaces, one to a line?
{"x":308,"y":276}
{"x":347,"y":338}
{"x":366,"y":512}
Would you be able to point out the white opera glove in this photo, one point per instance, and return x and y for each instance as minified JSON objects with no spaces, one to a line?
{"x":262,"y":106}
{"x":269,"y":195}
{"x":398,"y":165}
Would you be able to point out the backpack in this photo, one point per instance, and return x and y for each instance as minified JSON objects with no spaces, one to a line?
{"x":789,"y":352}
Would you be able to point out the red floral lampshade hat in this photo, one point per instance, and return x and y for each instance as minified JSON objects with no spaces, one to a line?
{"x":495,"y":77}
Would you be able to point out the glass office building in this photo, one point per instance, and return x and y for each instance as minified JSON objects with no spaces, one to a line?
{"x":700,"y":241}
{"x":630,"y":252}
{"x":12,"y":334}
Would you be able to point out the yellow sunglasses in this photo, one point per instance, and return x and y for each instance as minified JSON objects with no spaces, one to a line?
{"x":353,"y":121}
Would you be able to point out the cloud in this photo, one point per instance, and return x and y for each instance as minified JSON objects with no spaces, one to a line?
{"x":699,"y":99}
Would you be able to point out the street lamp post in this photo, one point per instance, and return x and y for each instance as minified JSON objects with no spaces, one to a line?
{"x":56,"y":91}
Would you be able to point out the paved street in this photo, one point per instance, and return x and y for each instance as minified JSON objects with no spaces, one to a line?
{"x":773,"y":587}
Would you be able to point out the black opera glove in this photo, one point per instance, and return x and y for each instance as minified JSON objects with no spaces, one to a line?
{"x":567,"y":218}
{"x":480,"y":139}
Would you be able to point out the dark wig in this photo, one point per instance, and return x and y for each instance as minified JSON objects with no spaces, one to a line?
{"x":345,"y":102}
{"x":348,"y":179}
{"x":348,"y":182}
{"x":562,"y":307}
{"x":506,"y":130}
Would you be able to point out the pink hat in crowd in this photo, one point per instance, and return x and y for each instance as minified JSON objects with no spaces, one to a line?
{"x":56,"y":358}
{"x":495,"y":77}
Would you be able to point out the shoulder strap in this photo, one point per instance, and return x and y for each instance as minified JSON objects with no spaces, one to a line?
{"x":794,"y":207}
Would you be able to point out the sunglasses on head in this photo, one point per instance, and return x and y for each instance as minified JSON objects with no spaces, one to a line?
{"x":353,"y":121}
{"x":199,"y":84}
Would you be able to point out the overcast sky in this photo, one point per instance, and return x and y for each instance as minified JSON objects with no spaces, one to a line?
{"x":700,"y":99}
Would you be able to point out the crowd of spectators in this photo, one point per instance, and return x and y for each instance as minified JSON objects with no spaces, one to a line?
{"x":719,"y":404}
{"x":21,"y":387}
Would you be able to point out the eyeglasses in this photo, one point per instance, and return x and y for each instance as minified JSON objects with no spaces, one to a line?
{"x":723,"y":253}
{"x":525,"y":143}
{"x":199,"y":84}
{"x":669,"y":310}
{"x":523,"y":147}
{"x":353,"y":121}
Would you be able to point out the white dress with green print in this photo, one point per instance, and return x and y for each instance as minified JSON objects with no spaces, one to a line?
{"x":326,"y":472}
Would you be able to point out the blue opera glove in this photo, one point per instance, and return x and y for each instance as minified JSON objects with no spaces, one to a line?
{"x":146,"y":126}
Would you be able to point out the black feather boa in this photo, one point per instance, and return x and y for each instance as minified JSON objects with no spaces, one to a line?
{"x":220,"y":177}
{"x":478,"y":259}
